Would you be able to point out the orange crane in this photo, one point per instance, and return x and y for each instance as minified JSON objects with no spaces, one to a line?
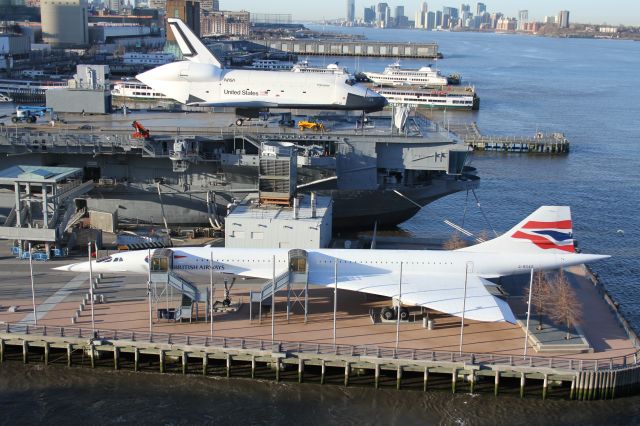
{"x":141,"y":131}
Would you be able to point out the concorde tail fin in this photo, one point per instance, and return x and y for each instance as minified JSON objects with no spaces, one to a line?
{"x":190,"y":45}
{"x":547,"y":230}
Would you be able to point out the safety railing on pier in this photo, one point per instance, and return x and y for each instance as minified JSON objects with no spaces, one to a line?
{"x":401,"y":354}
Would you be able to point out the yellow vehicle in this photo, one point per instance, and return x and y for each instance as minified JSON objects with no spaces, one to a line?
{"x":311,"y":125}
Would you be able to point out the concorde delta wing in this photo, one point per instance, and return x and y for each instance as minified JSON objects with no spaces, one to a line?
{"x":441,"y":292}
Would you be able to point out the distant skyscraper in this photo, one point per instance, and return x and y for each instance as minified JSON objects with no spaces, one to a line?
{"x":351,"y":10}
{"x":523,"y":18}
{"x":421,"y":15}
{"x":480,"y":8}
{"x":382,"y":12}
{"x":563,"y":19}
{"x":438,"y":18}
{"x":188,"y":11}
{"x":431,"y":20}
{"x":399,"y":16}
{"x":369,"y":14}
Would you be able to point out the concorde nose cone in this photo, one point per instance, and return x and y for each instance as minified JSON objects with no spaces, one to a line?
{"x":74,"y":267}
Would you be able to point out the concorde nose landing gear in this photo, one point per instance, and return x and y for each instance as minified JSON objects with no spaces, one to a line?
{"x":227,"y":299}
{"x":391,"y":313}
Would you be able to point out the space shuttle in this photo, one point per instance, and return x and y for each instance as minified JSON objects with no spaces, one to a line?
{"x":454,"y":282}
{"x":201,"y":80}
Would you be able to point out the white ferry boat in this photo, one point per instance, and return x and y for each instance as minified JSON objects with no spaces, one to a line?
{"x":461,"y":99}
{"x":135,"y":90}
{"x":34,"y":86}
{"x":394,"y":75}
{"x":271,"y":65}
{"x":329,"y":69}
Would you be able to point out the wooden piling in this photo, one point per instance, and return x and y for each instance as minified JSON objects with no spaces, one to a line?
{"x":253,"y":366}
{"x":472,"y":380}
{"x":454,"y":379}
{"x":136,"y":359}
{"x":205,"y":363}
{"x":545,"y":385}
{"x":277,"y":370}
{"x":347,"y":368}
{"x":1,"y":350}
{"x":377,"y":376}
{"x":522,"y":383}
{"x":323,"y":371}
{"x":228,"y":365}
{"x":573,"y":388}
{"x":398,"y":377}
{"x":426,"y":379}
{"x":116,"y":358}
{"x":69,"y":353}
{"x":161,"y":356}
{"x":25,"y":351}
{"x":300,"y":369}
{"x":92,"y":355}
{"x":496,"y":383}
{"x":185,"y":361}
{"x":47,"y":349}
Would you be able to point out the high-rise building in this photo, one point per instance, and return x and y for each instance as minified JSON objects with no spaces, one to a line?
{"x":351,"y":10}
{"x":431,"y":20}
{"x":563,"y":19}
{"x":209,"y":5}
{"x":226,"y":23}
{"x":369,"y":15}
{"x":421,"y":16}
{"x":523,"y":19}
{"x":382,"y":12}
{"x":65,"y":23}
{"x":438,"y":18}
{"x":480,"y":8}
{"x":114,"y":6}
{"x":188,"y":11}
{"x":452,"y":17}
{"x":400,"y":19}
{"x":549,"y":20}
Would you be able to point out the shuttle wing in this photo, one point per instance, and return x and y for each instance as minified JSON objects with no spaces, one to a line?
{"x":441,"y":292}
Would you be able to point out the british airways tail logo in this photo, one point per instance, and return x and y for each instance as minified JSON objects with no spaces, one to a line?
{"x":548,"y":235}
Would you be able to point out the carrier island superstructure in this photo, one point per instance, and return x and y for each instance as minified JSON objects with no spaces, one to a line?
{"x":193,"y":175}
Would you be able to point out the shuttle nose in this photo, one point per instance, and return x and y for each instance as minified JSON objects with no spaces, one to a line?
{"x":368,"y":101}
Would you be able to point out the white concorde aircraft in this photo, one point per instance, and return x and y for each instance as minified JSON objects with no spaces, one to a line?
{"x":203,"y":81}
{"x":431,"y":278}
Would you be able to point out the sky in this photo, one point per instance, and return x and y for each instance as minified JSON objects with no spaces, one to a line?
{"x":613,"y":12}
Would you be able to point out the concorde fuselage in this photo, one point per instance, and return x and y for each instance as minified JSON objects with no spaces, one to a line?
{"x":258,"y":263}
{"x":195,"y":83}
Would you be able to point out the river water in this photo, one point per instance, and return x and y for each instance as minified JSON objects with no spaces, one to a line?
{"x":587,"y":89}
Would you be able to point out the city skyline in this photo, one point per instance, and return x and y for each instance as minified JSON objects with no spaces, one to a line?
{"x":582,"y":11}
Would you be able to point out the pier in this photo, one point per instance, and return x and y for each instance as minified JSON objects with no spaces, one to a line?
{"x":362,"y":353}
{"x":352,"y":48}
{"x":540,"y":143}
{"x":295,"y":361}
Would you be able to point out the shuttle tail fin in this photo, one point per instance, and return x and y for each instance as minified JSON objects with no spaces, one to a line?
{"x":549,"y":229}
{"x":190,"y":45}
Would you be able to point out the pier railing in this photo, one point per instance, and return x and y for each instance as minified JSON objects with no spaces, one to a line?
{"x":367,"y":351}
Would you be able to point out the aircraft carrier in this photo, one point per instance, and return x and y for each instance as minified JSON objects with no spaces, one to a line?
{"x":191,"y":168}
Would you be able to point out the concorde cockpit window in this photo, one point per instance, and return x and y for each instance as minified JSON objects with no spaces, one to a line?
{"x":104,"y":259}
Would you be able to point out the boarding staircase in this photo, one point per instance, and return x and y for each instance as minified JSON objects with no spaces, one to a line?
{"x":267,"y":289}
{"x":188,"y":290}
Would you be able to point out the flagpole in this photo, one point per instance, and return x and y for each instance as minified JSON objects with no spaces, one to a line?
{"x":93,"y":321}
{"x":399,"y":307}
{"x":526,"y":333}
{"x":335,"y":299}
{"x":33,"y":291}
{"x":464,"y":306}
{"x":211,"y":291}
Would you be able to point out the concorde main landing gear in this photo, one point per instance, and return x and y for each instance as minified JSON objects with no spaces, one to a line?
{"x":390,"y":313}
{"x":227,"y":299}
